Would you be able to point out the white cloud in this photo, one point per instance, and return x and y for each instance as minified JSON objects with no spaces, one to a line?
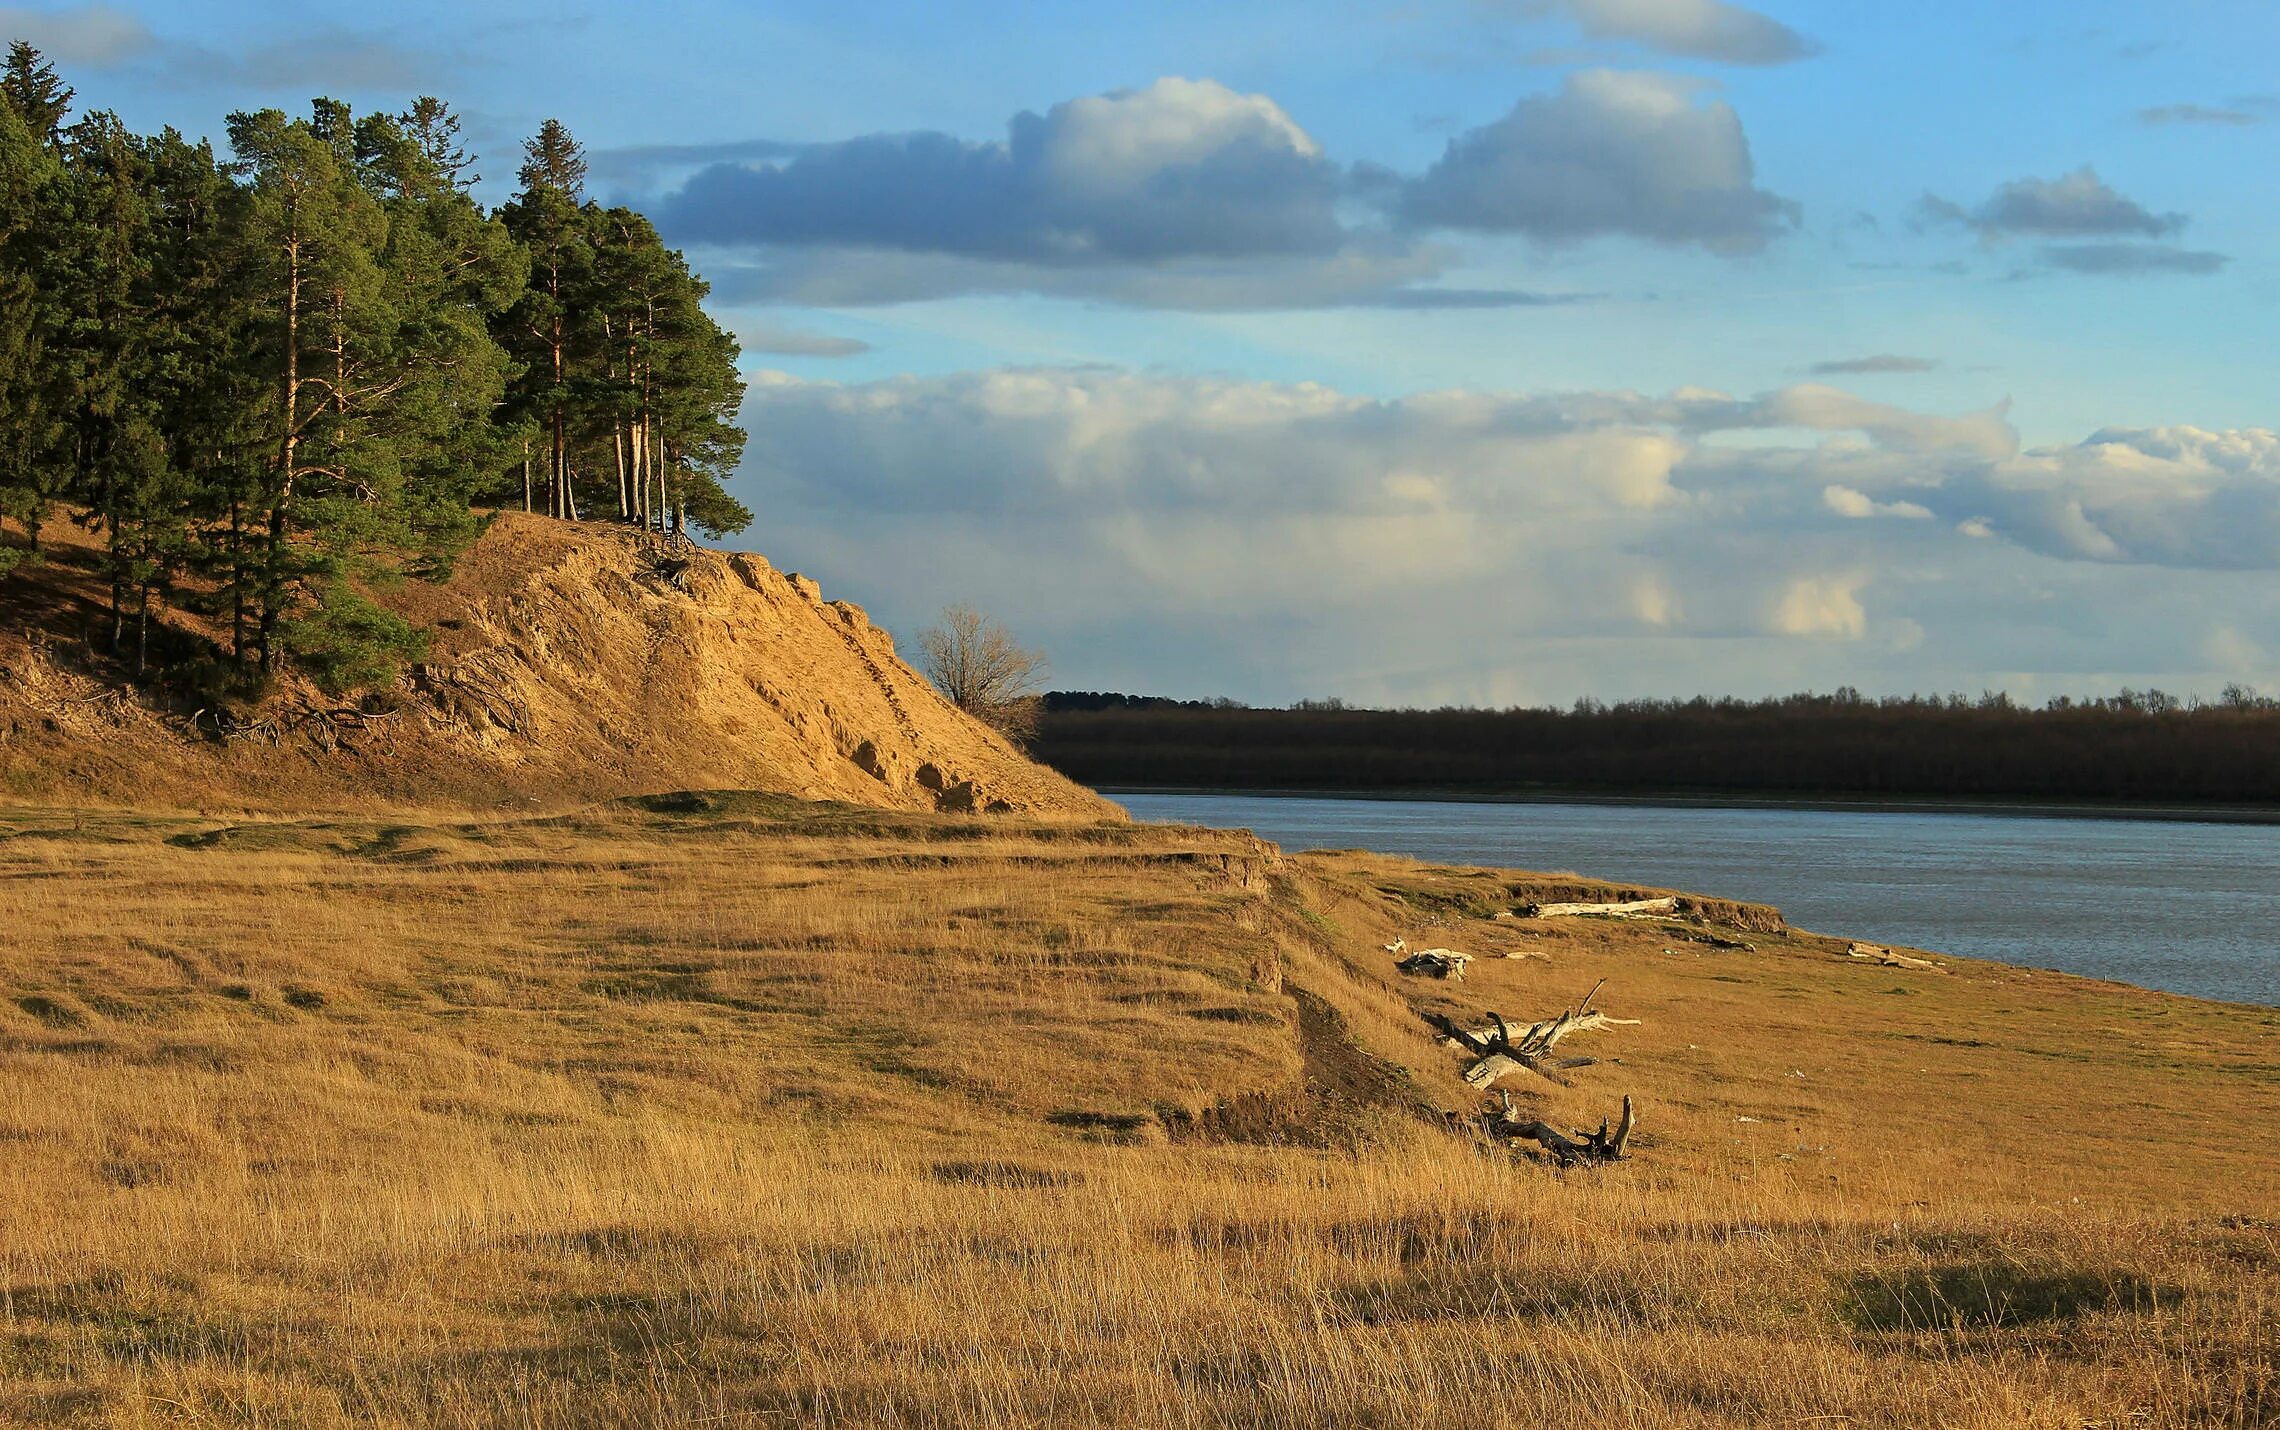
{"x":1653,"y":602}
{"x":1829,"y":409}
{"x":2180,"y":497}
{"x":1188,"y":194}
{"x":1698,"y":29}
{"x":1180,"y":169}
{"x":1184,"y":193}
{"x":1611,"y":152}
{"x":2086,"y":225}
{"x":1846,"y":502}
{"x":1273,"y":540}
{"x":2073,"y":205}
{"x":1822,"y":606}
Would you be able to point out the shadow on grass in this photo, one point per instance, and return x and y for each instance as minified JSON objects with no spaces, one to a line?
{"x":1988,"y":1295}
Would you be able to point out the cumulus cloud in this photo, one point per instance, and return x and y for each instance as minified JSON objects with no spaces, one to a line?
{"x":1611,"y":152}
{"x":2102,"y":231}
{"x":1287,"y":538}
{"x":1182,"y":194}
{"x":2074,"y":205}
{"x":1858,"y":506}
{"x":1182,"y":168}
{"x":1188,"y":194}
{"x":1696,"y":29}
{"x":2179,"y":497}
{"x":1822,"y":606}
{"x":95,"y":35}
{"x":1874,"y":364}
{"x":1815,"y":406}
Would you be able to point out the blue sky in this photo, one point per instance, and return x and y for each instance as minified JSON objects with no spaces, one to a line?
{"x":1436,"y":350}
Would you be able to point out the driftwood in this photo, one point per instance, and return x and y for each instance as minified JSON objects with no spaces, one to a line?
{"x":1878,"y":954}
{"x":1398,"y":947}
{"x":1635,"y":909}
{"x":1435,"y":963}
{"x":1564,"y":1148}
{"x":1498,"y":1050}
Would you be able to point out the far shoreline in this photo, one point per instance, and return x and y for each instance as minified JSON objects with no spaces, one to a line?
{"x":2252,"y":814}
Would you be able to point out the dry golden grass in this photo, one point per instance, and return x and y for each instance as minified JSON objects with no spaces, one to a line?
{"x":760,"y":1113}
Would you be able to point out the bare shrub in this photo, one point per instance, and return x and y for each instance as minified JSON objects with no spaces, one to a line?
{"x":978,"y":665}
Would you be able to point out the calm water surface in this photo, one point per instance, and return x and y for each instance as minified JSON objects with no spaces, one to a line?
{"x":2193,"y":908}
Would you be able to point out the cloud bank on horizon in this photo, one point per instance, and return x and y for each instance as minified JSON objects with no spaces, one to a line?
{"x":1303,"y":350}
{"x":1442,"y":542}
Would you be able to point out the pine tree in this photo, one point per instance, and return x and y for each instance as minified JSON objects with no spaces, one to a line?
{"x":451,"y":270}
{"x":554,"y":160}
{"x":699,"y":391}
{"x":310,"y":242}
{"x":431,"y":126}
{"x":30,"y":314}
{"x":547,"y":329}
{"x":121,"y":477}
{"x":211,"y":401}
{"x":671,"y":387}
{"x":30,"y":86}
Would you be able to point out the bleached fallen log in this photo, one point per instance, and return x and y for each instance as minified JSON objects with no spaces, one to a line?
{"x":1878,"y":954}
{"x":1566,"y":1149}
{"x":1435,"y":963}
{"x":1529,"y":953}
{"x":1498,"y":1051}
{"x":1398,"y":947}
{"x":1635,"y":909}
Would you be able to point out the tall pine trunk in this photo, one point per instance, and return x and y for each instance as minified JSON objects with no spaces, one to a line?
{"x":617,"y":452}
{"x":273,"y":557}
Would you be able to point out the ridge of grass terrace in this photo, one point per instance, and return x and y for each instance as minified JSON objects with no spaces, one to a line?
{"x":735,"y":1109}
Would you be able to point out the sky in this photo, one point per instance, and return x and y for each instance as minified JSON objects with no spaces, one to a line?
{"x":1424,"y":352}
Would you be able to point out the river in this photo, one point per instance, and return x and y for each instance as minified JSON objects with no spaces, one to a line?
{"x":2178,"y":905}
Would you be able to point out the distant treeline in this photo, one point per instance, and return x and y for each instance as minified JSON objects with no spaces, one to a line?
{"x":2135,"y":746}
{"x":266,"y":377}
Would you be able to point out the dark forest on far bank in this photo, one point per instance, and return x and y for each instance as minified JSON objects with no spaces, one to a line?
{"x":2138,"y":746}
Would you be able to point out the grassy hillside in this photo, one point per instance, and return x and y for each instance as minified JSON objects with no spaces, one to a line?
{"x":733,"y":1110}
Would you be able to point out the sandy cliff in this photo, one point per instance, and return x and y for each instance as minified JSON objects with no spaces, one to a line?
{"x":568,"y":663}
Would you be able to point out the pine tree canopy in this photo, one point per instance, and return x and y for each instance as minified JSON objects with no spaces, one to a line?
{"x":270,"y":382}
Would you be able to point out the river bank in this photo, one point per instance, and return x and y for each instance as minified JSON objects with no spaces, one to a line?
{"x":2182,"y":906}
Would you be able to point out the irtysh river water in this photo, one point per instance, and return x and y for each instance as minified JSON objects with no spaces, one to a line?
{"x":2189,"y":907}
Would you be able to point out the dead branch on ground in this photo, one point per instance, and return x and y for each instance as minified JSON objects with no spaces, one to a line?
{"x":1634,"y":909}
{"x":1878,"y":954}
{"x":1499,"y":1051}
{"x":1567,"y":1149}
{"x":1435,"y":963}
